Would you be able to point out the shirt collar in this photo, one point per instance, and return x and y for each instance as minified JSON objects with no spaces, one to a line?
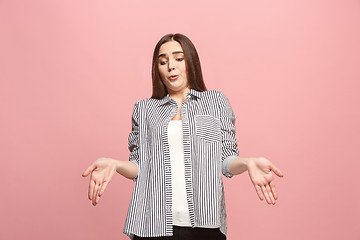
{"x":191,"y":93}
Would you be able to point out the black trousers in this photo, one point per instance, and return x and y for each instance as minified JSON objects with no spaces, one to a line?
{"x":189,"y":233}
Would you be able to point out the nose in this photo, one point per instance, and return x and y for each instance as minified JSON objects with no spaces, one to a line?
{"x":171,"y":65}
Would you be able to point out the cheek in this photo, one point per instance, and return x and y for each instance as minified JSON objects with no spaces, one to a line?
{"x":162,"y":71}
{"x":183,"y":67}
{"x":184,"y":70}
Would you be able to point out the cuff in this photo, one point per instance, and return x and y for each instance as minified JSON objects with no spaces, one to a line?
{"x":138,"y":170}
{"x":226,"y":166}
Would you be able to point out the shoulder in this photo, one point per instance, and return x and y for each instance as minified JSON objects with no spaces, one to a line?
{"x":213,"y":94}
{"x":139,"y":105}
{"x":219,"y":98}
{"x":141,"y":101}
{"x":209,"y":93}
{"x":147,"y":103}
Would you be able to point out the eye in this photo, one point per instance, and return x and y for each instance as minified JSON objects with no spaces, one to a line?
{"x":179,"y":59}
{"x":162,"y":62}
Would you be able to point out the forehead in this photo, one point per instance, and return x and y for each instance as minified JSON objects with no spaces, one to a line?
{"x":170,"y":47}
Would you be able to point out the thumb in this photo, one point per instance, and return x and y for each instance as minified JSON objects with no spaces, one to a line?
{"x":277,"y":171}
{"x":88,"y":170}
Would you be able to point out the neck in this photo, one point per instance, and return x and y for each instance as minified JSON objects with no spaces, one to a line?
{"x":179,"y":96}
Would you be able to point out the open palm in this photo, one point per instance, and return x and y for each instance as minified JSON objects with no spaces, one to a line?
{"x":102,"y":170}
{"x":260,"y":174}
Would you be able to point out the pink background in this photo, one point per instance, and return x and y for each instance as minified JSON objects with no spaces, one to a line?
{"x":71,"y":72}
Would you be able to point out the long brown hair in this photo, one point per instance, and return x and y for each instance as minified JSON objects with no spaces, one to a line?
{"x":192,"y":61}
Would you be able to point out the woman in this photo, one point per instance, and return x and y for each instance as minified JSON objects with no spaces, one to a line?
{"x":182,"y":141}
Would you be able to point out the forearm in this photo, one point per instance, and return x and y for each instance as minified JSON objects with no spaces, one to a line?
{"x":126,"y":168}
{"x":239,"y":165}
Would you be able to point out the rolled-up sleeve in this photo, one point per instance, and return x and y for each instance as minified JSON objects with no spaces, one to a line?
{"x":229,"y":149}
{"x":134,"y":139}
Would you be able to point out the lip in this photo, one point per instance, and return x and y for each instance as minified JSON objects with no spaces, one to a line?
{"x":173,"y":77}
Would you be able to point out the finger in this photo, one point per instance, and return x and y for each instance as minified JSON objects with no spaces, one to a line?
{"x":270,"y":194}
{"x":276,"y":171}
{"x":273,"y":190}
{"x":259,"y":192}
{"x":103,"y":188}
{"x":263,"y":188}
{"x":95,"y":193}
{"x":97,"y":199}
{"x":88,"y":170}
{"x":91,"y":188}
{"x":97,"y":196}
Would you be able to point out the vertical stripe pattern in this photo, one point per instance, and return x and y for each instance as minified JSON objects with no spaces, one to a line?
{"x":210,"y":145}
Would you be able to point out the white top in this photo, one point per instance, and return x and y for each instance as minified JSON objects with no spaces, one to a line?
{"x":180,"y":209}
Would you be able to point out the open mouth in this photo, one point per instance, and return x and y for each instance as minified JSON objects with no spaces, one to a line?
{"x":173,"y":77}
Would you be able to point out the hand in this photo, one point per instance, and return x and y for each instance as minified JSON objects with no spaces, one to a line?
{"x":260,"y":174}
{"x":102,"y":170}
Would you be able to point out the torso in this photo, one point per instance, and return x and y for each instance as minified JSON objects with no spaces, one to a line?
{"x":178,"y":114}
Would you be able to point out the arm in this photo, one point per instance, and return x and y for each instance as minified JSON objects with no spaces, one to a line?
{"x":229,"y":149}
{"x":259,"y":169}
{"x":134,"y":144}
{"x":102,"y":170}
{"x":127,"y":169}
{"x":239,"y":166}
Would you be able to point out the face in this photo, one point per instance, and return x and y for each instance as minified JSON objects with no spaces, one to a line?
{"x":172,"y":68}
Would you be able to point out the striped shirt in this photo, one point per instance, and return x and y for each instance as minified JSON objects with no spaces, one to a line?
{"x":210,"y":145}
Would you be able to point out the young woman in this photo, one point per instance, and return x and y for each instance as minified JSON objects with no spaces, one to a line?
{"x":182,"y":142}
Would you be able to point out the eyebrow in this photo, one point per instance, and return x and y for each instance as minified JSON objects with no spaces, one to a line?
{"x":163,"y":55}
